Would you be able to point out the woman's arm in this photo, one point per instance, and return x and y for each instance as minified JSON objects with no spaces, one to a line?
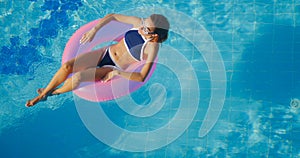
{"x":88,"y":36}
{"x":133,"y":20}
{"x":152,"y":49}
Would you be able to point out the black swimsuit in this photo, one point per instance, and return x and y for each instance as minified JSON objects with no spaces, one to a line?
{"x":106,"y":60}
{"x":134,"y":43}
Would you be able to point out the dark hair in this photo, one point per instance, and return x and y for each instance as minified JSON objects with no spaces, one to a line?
{"x":162,"y":26}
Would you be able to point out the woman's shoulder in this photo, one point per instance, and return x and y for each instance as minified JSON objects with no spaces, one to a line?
{"x":151,"y":46}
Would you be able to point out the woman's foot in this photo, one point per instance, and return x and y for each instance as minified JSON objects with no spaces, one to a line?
{"x":39,"y":98}
{"x":40,"y":91}
{"x":32,"y":102}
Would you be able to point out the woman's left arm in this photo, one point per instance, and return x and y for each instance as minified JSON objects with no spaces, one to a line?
{"x":152,"y":50}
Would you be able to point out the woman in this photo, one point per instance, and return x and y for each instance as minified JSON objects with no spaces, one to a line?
{"x":139,"y":43}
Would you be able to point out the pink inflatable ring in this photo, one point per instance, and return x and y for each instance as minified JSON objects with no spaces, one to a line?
{"x":118,"y":86}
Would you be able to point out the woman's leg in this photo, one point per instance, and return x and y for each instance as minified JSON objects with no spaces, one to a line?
{"x":79,"y":63}
{"x":92,"y":74}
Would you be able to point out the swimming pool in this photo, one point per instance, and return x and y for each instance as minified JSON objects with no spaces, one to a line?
{"x":256,"y":42}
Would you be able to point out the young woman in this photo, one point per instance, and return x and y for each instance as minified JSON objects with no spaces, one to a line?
{"x":139,"y":43}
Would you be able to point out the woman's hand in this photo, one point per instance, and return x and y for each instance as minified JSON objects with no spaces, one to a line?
{"x":110,"y":75}
{"x":88,"y":36}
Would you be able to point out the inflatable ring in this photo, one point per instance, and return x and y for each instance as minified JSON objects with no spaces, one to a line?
{"x":118,"y":86}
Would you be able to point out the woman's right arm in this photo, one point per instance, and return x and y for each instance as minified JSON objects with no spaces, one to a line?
{"x":88,"y":36}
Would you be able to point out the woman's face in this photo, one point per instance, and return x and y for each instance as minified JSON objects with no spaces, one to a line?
{"x":147,"y":28}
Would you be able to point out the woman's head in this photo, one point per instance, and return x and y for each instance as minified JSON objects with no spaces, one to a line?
{"x":157,"y":26}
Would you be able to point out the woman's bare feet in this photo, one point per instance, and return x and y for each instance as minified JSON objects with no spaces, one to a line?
{"x":39,"y":98}
{"x":32,"y":102}
{"x":40,"y":90}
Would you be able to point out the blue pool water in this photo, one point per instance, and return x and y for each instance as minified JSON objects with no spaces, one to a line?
{"x":258,"y":42}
